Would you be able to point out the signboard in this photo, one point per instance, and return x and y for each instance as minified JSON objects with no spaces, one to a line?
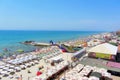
{"x":101,"y":55}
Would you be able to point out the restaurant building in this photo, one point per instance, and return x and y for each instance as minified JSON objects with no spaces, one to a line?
{"x":104,"y":51}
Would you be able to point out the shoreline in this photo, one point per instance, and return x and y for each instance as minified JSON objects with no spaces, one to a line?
{"x":62,"y":41}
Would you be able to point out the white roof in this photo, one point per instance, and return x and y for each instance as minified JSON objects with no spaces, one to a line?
{"x":57,"y":58}
{"x":105,"y":48}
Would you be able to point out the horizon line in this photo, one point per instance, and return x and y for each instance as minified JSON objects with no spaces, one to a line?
{"x":52,"y":30}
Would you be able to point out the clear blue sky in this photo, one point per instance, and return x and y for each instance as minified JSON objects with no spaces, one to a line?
{"x":60,"y":15}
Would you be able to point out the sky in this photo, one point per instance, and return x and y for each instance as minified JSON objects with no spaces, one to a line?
{"x":77,"y":15}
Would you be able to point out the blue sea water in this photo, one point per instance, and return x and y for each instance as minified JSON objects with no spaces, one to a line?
{"x":10,"y":38}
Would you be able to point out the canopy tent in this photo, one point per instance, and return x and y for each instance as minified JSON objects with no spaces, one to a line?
{"x":2,"y":66}
{"x":104,"y":48}
{"x":57,"y":58}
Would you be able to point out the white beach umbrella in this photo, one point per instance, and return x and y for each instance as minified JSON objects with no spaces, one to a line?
{"x":17,"y":68}
{"x":30,"y":55}
{"x":19,"y":62}
{"x":34,"y":56}
{"x":27,"y":64}
{"x":30,"y":58}
{"x":36,"y":61}
{"x":93,"y":78}
{"x":32,"y":63}
{"x":4,"y":72}
{"x":10,"y":70}
{"x":15,"y":62}
{"x":12,"y":66}
{"x":2,"y":67}
{"x":1,"y":70}
{"x":5,"y":68}
{"x":26,"y":59}
{"x":22,"y":66}
{"x":10,"y":61}
{"x":7,"y":65}
{"x":101,"y":70}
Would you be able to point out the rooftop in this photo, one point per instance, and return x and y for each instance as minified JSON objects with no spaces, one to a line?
{"x":98,"y":63}
{"x":104,"y":48}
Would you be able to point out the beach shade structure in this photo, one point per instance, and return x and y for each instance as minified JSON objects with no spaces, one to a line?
{"x":36,"y":62}
{"x":10,"y":70}
{"x":94,"y":78}
{"x":22,"y":66}
{"x":12,"y":66}
{"x":31,"y":63}
{"x":10,"y":62}
{"x":102,"y":70}
{"x":1,"y":67}
{"x":17,"y":69}
{"x":7,"y":65}
{"x":0,"y":71}
{"x":6,"y":68}
{"x":28,"y":65}
{"x":34,"y":57}
{"x":4,"y":73}
{"x":38,"y":73}
{"x":105,"y":51}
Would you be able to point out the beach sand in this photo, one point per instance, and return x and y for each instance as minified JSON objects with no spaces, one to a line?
{"x":34,"y":69}
{"x":25,"y":74}
{"x":115,"y":78}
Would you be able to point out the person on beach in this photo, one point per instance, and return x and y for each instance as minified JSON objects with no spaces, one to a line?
{"x":20,"y":78}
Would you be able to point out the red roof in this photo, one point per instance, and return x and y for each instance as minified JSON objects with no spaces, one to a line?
{"x":113,"y":64}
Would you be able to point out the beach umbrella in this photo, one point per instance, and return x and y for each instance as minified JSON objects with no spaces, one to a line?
{"x":94,"y":78}
{"x":10,"y":70}
{"x":102,"y":70}
{"x":36,"y":61}
{"x":10,"y":61}
{"x":4,"y":72}
{"x":12,"y":66}
{"x":1,"y":70}
{"x":38,"y":73}
{"x":27,"y":64}
{"x":23,"y":66}
{"x":32,"y":63}
{"x":7,"y":65}
{"x":18,"y":68}
{"x":5,"y":68}
{"x":2,"y":67}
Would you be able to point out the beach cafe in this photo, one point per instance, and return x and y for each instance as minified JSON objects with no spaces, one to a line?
{"x":105,"y":51}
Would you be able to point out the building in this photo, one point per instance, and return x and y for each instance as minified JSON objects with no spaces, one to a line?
{"x":105,"y":51}
{"x":118,"y":54}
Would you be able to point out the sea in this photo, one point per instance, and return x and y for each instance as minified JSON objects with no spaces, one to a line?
{"x":10,"y":39}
